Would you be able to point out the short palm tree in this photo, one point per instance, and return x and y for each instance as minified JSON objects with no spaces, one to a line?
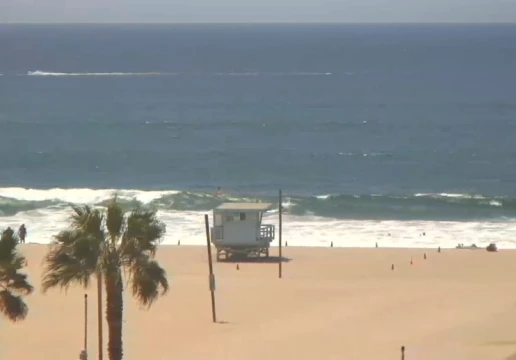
{"x":13,"y":284}
{"x":109,"y":245}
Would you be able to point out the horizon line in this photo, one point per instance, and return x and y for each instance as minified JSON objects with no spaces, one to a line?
{"x":267,"y":23}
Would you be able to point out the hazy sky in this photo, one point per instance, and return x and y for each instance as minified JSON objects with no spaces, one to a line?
{"x":241,"y":11}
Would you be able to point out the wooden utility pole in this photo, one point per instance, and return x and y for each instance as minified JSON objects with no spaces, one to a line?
{"x":210,"y":266}
{"x":85,"y":323}
{"x":280,"y":211}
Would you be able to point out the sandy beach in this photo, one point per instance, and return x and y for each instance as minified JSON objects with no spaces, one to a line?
{"x":333,"y":303}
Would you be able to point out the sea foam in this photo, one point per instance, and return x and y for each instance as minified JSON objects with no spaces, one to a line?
{"x":152,"y":73}
{"x":46,"y":212}
{"x":47,"y":73}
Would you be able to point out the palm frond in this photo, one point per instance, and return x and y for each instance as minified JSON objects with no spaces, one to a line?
{"x":13,"y":306}
{"x":16,"y":283}
{"x":87,"y":219}
{"x":142,"y":235}
{"x":11,"y":266}
{"x":114,"y":220}
{"x":8,"y":243}
{"x":80,"y":216}
{"x":73,"y":258}
{"x":13,"y":284}
{"x":148,"y":281}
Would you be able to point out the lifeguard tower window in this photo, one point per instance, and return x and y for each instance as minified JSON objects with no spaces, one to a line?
{"x":242,"y":216}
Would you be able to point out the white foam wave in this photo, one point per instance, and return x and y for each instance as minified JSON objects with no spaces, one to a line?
{"x":243,"y":74}
{"x":188,"y":227}
{"x":237,"y":74}
{"x":81,"y":196}
{"x":323,"y":197}
{"x":458,"y":196}
{"x":301,"y":73}
{"x":373,"y":154}
{"x":45,"y":73}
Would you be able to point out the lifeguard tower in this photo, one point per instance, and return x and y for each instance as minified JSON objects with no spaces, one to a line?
{"x":238,"y":230}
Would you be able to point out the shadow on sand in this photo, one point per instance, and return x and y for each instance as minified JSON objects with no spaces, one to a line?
{"x":255,"y":260}
{"x":222,"y":322}
{"x":504,"y":343}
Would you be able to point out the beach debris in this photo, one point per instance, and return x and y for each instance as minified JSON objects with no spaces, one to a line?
{"x":470,"y":247}
{"x":411,"y":261}
{"x":238,"y":267}
{"x":403,"y":353}
{"x":439,"y":249}
{"x":392,"y":267}
{"x":424,"y":256}
{"x":491,"y":247}
{"x":331,"y":245}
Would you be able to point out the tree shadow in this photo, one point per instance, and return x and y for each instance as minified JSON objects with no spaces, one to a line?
{"x":255,"y":260}
{"x":512,"y":357}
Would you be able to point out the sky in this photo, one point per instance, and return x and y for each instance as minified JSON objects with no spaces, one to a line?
{"x":256,"y":11}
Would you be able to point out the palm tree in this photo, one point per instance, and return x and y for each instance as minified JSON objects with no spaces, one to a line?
{"x":109,"y":245}
{"x":13,"y":285}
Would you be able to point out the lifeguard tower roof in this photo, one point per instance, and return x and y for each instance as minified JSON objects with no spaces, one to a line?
{"x":245,"y":206}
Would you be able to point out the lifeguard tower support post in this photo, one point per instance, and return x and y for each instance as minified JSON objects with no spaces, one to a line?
{"x":238,"y":230}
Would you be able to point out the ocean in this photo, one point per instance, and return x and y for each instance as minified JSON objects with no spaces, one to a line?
{"x":375,"y":133}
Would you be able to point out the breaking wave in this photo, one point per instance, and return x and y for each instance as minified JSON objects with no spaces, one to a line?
{"x":342,"y":220}
{"x":445,"y":207}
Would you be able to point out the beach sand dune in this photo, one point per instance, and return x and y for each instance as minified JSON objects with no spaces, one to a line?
{"x":332,"y":303}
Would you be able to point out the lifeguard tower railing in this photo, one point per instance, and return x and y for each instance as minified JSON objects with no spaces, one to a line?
{"x":267,"y":233}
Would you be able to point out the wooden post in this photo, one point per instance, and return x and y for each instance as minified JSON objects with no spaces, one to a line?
{"x":210,"y":265}
{"x":403,"y":353}
{"x":86,"y":323}
{"x":280,"y":210}
{"x":99,"y":315}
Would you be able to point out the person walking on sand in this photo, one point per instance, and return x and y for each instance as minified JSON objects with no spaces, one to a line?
{"x":22,"y":233}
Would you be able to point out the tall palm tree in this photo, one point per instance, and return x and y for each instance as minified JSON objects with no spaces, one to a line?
{"x":13,"y":284}
{"x":110,"y":245}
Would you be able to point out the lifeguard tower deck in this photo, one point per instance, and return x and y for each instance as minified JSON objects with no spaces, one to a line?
{"x":238,"y":230}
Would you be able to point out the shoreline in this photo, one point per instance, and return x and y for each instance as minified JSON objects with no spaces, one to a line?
{"x":316,"y":247}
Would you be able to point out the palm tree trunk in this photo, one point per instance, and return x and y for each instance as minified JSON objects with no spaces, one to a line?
{"x":114,"y":312}
{"x":99,"y":318}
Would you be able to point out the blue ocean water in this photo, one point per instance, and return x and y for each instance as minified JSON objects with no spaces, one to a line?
{"x":353,"y":122}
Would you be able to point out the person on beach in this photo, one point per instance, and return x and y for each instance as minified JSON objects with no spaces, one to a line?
{"x":22,"y":233}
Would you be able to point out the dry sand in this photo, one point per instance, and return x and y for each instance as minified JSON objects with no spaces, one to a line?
{"x":331,"y":304}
